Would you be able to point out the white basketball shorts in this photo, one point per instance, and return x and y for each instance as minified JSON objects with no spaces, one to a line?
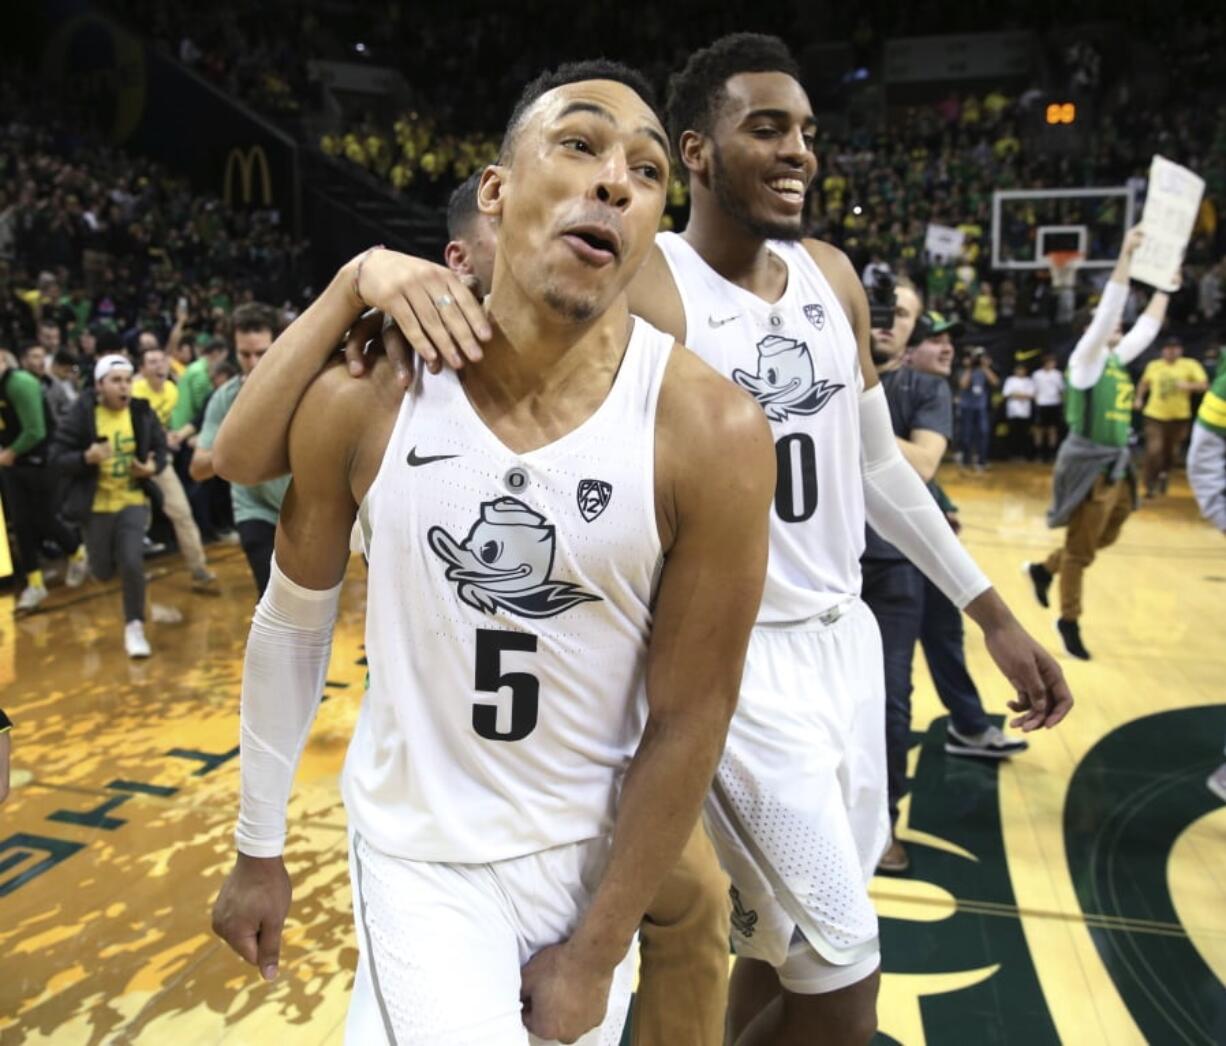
{"x":797,"y":811}
{"x":440,"y":946}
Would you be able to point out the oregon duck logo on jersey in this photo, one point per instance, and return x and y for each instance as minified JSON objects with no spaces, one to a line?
{"x":505,"y":562}
{"x":785,"y":383}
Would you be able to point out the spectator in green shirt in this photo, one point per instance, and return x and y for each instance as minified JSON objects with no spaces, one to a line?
{"x":28,"y":483}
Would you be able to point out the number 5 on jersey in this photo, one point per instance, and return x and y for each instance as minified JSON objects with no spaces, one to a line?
{"x":490,"y":678}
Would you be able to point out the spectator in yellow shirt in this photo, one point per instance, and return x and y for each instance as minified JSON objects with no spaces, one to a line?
{"x":984,"y":312}
{"x":1169,"y":383}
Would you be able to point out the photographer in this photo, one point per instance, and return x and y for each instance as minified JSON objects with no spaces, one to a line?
{"x":976,"y":383}
{"x":908,"y":609}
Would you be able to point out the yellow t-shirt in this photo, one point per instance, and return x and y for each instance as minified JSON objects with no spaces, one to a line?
{"x":116,"y":488}
{"x":1166,"y":402}
{"x":177,"y":367}
{"x":162,"y":402}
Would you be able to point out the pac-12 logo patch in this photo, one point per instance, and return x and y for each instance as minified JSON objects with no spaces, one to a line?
{"x":593,"y":496}
{"x":816,"y":315}
{"x":785,"y":383}
{"x":505,"y":562}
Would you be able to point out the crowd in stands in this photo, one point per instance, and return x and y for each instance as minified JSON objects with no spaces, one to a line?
{"x":103,"y":244}
{"x":112,"y":266}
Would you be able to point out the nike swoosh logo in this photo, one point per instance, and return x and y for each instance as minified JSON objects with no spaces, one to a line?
{"x":712,"y":321}
{"x":414,"y":459}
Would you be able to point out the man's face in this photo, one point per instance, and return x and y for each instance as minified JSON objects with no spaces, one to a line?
{"x":472,"y":254}
{"x":63,"y":371}
{"x":49,"y":336}
{"x":115,"y":389}
{"x":154,"y":366}
{"x":580,"y":199}
{"x":250,"y":347}
{"x":890,"y":343}
{"x":934,"y":355}
{"x":1171,"y":353}
{"x":760,"y":159}
{"x":34,"y":359}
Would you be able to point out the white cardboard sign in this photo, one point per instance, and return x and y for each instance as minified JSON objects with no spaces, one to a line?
{"x":943,"y":241}
{"x":1171,"y":206}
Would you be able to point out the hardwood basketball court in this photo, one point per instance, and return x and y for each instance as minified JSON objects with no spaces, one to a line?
{"x":1077,"y":894}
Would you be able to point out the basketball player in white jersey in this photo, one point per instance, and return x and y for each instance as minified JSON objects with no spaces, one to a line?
{"x":798,"y":808}
{"x":566,"y":551}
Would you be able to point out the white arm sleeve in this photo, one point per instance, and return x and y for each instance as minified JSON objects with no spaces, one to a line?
{"x":1137,"y":340}
{"x":901,"y":509}
{"x":283,"y":678}
{"x":1085,"y":365}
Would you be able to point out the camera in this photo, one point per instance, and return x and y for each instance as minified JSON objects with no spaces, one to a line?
{"x":881,"y":299}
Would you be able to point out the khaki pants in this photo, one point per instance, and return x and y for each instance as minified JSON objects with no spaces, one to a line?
{"x":179,"y":512}
{"x":1094,"y":525}
{"x":1162,"y":440}
{"x":683,"y":942}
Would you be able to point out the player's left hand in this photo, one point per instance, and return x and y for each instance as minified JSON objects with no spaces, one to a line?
{"x":564,"y":993}
{"x":1043,"y":697}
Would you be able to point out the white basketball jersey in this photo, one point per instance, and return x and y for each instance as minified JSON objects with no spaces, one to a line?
{"x":508,"y":611}
{"x":798,"y":359}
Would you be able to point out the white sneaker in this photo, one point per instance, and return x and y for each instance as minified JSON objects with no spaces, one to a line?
{"x":78,"y":571}
{"x":164,"y":615}
{"x":1217,"y":782}
{"x":204,"y":580}
{"x":134,"y":641}
{"x":30,"y":599}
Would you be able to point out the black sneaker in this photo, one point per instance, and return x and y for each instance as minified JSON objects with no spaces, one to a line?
{"x":1040,"y":578}
{"x":993,"y":743}
{"x":1070,"y":632}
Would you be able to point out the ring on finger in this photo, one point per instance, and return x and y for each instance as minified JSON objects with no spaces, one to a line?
{"x":443,"y":300}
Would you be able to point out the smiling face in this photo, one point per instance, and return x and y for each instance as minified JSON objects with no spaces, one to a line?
{"x":759,"y":160}
{"x":934,"y":355}
{"x":579,"y":197}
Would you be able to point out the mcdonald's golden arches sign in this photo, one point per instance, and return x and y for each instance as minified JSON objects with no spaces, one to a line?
{"x":244,"y":162}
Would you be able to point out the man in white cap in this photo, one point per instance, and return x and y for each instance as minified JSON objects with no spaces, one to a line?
{"x":109,"y":448}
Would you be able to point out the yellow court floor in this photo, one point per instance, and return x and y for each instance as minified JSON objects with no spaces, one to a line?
{"x":1076,"y":894}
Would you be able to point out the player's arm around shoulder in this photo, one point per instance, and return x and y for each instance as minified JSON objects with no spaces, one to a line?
{"x":837,"y":268}
{"x":335,"y":446}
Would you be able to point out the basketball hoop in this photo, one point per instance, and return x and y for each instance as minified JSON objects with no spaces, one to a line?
{"x":1063,"y":266}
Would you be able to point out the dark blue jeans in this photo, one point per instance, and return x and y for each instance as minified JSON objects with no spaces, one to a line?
{"x":894,"y":592}
{"x":909,"y":608}
{"x":943,"y":640}
{"x":976,"y":434}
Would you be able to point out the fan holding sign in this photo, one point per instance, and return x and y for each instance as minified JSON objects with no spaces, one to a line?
{"x":1171,"y":207}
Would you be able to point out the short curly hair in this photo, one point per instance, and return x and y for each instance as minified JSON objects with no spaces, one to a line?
{"x":572,"y":73}
{"x":698,"y":92}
